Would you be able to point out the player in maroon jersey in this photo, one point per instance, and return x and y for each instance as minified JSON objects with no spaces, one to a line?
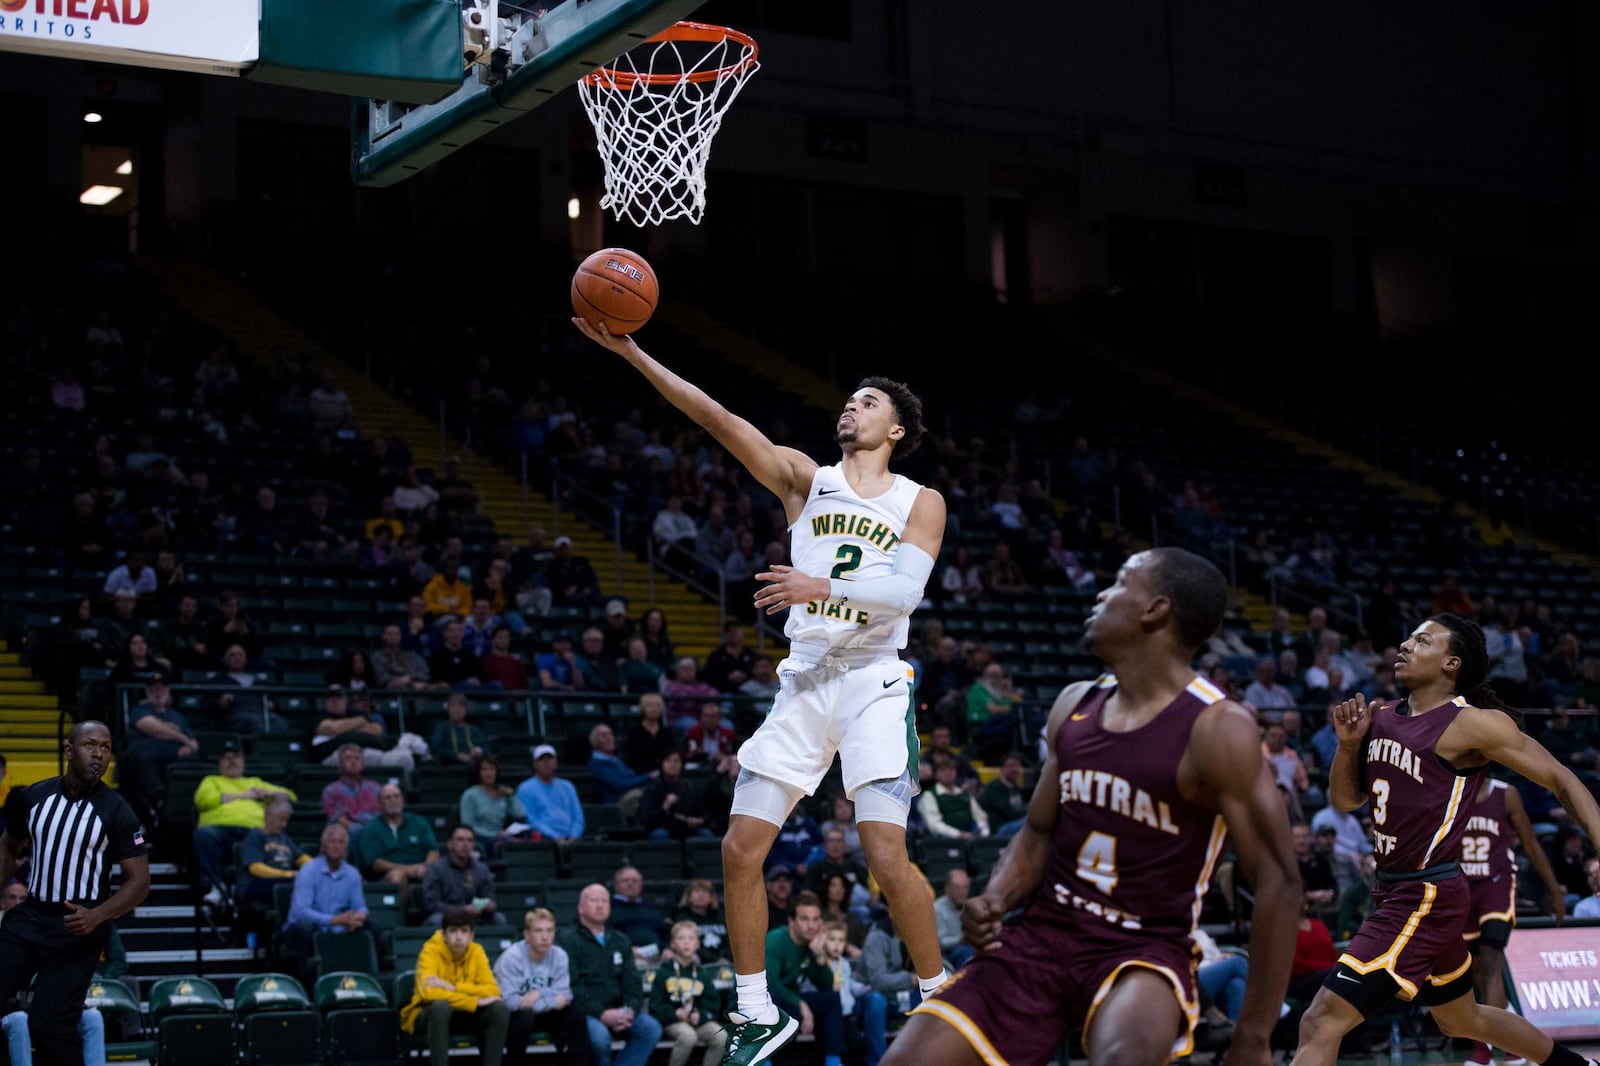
{"x":1419,"y":763}
{"x":1489,"y":862}
{"x":1149,"y":769}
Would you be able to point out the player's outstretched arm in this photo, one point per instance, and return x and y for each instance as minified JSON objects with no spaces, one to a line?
{"x":1226,"y":750}
{"x":1352,"y":720}
{"x":1020,"y":867}
{"x":1478,"y":734}
{"x":1517,"y":815}
{"x":785,"y":471}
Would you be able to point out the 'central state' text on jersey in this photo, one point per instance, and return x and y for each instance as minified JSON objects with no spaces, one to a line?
{"x":1489,"y":843}
{"x":1129,"y":847}
{"x":1420,"y":805}
{"x":841,"y":535}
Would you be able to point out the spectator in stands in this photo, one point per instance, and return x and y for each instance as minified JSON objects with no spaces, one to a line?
{"x":842,"y":816}
{"x":453,"y":665}
{"x":606,"y":985}
{"x":883,"y":966}
{"x":994,"y":712}
{"x":497,"y":588}
{"x":488,"y":805}
{"x":643,"y":922}
{"x":798,"y":837}
{"x":456,"y":493}
{"x":138,"y":663}
{"x":1316,"y":870}
{"x":684,"y":692}
{"x":262,"y":526}
{"x":318,"y":538}
{"x":800,"y":979}
{"x":412,"y":495}
{"x":230,"y":805}
{"x":759,"y":689}
{"x":939,"y":744}
{"x":571,"y":577}
{"x":616,"y":781}
{"x":477,"y":632}
{"x":1005,"y":799}
{"x":1562,"y":738}
{"x":699,"y":904}
{"x":685,"y":1004}
{"x":1589,"y":906}
{"x":1568,"y":854}
{"x":267,"y":856}
{"x":947,"y":809}
{"x":455,"y":738}
{"x":558,"y":668}
{"x":1561,"y":671}
{"x":729,"y":664}
{"x":739,"y":568}
{"x":158,"y":736}
{"x":600,"y":674}
{"x":947,"y":914}
{"x":367,"y":731}
{"x":396,"y":667}
{"x":183,"y":636}
{"x":834,"y":857}
{"x":1351,"y":840}
{"x":327,"y":897}
{"x":247,"y":713}
{"x":653,"y":628}
{"x":447,"y":597}
{"x":616,"y":630}
{"x":1287,"y":768}
{"x":133,"y":575}
{"x":669,"y":809}
{"x":84,"y":535}
{"x":636,"y":673}
{"x":535,"y":979}
{"x":961,"y":580}
{"x":355,"y":673}
{"x":943,"y":679}
{"x":717,"y":796}
{"x":455,"y":988}
{"x":230,"y":626}
{"x":674,"y":531}
{"x":396,"y":846}
{"x":780,"y":886}
{"x":350,"y":799}
{"x":1264,"y":693}
{"x":710,"y":736}
{"x":1002,"y":575}
{"x":550,"y":803}
{"x":1290,"y":676}
{"x":648,"y":737}
{"x":459,"y":878}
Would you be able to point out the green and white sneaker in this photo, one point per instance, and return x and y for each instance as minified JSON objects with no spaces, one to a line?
{"x":750,"y":1041}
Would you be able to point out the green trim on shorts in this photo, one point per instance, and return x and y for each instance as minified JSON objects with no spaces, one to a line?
{"x":913,"y":741}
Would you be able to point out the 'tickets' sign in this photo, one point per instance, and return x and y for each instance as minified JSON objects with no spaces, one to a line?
{"x":1555,"y":975}
{"x":208,"y":36}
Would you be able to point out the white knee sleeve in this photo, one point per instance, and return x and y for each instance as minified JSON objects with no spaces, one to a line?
{"x":887,"y":800}
{"x":764,"y":798}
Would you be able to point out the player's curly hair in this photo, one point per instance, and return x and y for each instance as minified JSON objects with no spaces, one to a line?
{"x":1467,"y":643}
{"x":907,"y":411}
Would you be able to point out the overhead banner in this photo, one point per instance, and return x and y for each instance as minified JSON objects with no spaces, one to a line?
{"x":1555,"y":977}
{"x":207,"y":36}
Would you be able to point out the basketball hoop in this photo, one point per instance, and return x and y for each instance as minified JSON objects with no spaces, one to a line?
{"x":654,"y":120}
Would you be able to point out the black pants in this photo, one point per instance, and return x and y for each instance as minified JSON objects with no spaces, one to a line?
{"x":35,"y":946}
{"x":568,"y":1029}
{"x":829,"y":1017}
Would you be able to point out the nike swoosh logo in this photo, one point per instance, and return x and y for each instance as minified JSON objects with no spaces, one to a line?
{"x":1346,"y":977}
{"x":824,"y":492}
{"x":886,"y":684}
{"x":1079,"y":717}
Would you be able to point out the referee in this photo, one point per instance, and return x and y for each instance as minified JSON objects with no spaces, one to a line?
{"x":75,"y":828}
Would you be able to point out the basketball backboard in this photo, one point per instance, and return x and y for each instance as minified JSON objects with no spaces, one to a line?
{"x":514,"y":59}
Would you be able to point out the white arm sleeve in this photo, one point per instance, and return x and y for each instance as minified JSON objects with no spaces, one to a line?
{"x":899,"y":593}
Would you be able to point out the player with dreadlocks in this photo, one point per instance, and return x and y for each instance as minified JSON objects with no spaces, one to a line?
{"x":1419,"y":763}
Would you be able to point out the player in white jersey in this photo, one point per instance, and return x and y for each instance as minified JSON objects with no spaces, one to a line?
{"x":863,"y":542}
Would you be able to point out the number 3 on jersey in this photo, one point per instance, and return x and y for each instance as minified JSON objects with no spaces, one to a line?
{"x":1097,"y":861}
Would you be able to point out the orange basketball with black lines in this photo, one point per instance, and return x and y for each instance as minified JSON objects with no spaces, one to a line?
{"x":615,"y":286}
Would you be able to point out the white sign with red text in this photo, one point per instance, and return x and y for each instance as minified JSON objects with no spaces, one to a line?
{"x":1556,"y":975}
{"x":208,"y":36}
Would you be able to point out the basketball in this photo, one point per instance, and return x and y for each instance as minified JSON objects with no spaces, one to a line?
{"x":617,"y":287}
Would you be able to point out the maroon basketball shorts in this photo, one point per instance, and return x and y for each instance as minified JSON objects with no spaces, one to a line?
{"x":1413,"y":934}
{"x":1016,"y":1005}
{"x":1492,"y":912}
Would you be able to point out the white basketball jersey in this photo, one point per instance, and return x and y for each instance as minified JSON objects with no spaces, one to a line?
{"x":840,"y":535}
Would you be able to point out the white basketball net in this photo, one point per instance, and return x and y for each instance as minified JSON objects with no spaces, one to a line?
{"x":654,"y":119}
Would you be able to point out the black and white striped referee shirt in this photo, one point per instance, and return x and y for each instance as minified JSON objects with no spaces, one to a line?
{"x":77,"y":841}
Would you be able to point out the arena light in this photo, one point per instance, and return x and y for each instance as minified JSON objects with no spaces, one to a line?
{"x":573,"y":207}
{"x":99,"y":195}
{"x":91,"y":117}
{"x":126,"y":167}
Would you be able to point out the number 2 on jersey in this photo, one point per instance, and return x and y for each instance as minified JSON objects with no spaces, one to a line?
{"x":1097,"y":861}
{"x":849,"y":556}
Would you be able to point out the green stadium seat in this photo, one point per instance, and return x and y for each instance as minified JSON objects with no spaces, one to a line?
{"x":192,"y":1023}
{"x":277,"y":1024}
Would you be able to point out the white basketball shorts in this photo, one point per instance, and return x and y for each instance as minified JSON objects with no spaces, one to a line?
{"x":865,"y":711}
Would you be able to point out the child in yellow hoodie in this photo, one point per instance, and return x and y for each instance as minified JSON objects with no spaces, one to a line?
{"x":456,"y":989}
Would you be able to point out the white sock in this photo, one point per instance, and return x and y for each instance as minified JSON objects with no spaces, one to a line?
{"x":930,"y":985}
{"x":755,"y":1002}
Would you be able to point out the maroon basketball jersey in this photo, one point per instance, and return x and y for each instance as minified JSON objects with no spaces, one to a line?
{"x":1129,"y":848}
{"x":1488,"y":844}
{"x":1419,"y":804}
